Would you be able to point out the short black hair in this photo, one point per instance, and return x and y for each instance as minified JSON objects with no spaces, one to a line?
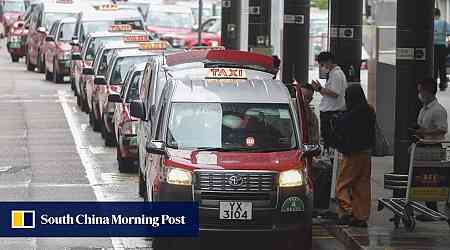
{"x":437,"y":12}
{"x":325,"y":57}
{"x":429,"y":84}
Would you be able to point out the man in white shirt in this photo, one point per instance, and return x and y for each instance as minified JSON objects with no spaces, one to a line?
{"x":432,"y":123}
{"x":333,"y":95}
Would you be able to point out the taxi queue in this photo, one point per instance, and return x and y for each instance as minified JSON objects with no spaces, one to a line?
{"x":202,"y":124}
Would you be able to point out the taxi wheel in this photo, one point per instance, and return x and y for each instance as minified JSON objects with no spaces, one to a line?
{"x":58,"y":78}
{"x":15,"y":58}
{"x":48,"y":75}
{"x":30,"y":67}
{"x":72,"y":84}
{"x":93,"y":122}
{"x":142,"y":189}
{"x":40,"y":64}
{"x":110,"y":141}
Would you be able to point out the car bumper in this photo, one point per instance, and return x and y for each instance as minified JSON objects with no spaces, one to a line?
{"x":265,"y":218}
{"x":128,"y":146}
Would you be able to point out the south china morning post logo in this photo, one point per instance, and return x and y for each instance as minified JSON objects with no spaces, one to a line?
{"x":23,"y":219}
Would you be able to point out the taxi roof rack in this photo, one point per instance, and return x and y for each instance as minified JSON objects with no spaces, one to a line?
{"x":229,"y":58}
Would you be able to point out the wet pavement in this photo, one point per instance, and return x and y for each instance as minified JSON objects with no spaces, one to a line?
{"x":48,"y":152}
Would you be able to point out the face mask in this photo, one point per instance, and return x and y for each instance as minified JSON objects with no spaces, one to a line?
{"x":323,"y":73}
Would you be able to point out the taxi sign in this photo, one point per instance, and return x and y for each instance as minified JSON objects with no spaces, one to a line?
{"x":64,"y":1}
{"x":226,"y":73}
{"x":108,"y":7}
{"x":121,"y":28}
{"x":208,"y":48}
{"x":161,"y":45}
{"x":136,"y":38}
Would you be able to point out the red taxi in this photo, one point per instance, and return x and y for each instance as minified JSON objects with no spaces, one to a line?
{"x":99,"y":68}
{"x":57,"y":50}
{"x":124,"y":124}
{"x":86,"y":57}
{"x":16,"y":40}
{"x":229,"y":137}
{"x":211,"y":36}
{"x":10,"y":11}
{"x":119,"y":65}
{"x":169,"y":19}
{"x":42,"y":18}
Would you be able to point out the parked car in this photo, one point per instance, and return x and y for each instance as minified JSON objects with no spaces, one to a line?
{"x":10,"y":11}
{"x":169,"y":19}
{"x":16,"y":39}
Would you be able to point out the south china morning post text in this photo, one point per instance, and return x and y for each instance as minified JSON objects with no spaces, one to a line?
{"x":99,"y":219}
{"x":115,"y":219}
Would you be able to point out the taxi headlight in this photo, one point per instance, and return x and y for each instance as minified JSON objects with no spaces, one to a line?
{"x":292,"y":178}
{"x":178,"y":176}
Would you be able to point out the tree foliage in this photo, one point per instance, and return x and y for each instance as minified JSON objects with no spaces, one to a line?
{"x":321,"y":4}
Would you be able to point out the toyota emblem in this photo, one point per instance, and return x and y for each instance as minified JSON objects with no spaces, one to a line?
{"x":236,"y":180}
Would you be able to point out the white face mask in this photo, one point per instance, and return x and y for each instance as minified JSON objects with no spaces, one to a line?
{"x":323,"y":72}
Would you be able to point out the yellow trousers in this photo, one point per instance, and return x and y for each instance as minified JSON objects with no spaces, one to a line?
{"x":353,"y":188}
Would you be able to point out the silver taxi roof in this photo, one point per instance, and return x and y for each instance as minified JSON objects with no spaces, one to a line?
{"x":231,"y":91}
{"x":112,"y":34}
{"x":69,"y":20}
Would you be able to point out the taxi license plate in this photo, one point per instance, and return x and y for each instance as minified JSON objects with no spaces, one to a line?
{"x":235,"y":210}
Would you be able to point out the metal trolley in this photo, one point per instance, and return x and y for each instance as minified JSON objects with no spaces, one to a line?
{"x":427,"y":180}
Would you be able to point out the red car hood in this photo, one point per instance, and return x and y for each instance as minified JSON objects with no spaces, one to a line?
{"x":191,"y":160}
{"x":163,"y":31}
{"x":191,"y":36}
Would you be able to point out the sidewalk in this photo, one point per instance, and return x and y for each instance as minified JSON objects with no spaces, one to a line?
{"x":381,"y":233}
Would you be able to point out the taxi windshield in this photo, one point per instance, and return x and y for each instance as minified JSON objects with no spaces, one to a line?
{"x":170,"y":20}
{"x":14,"y":6}
{"x":50,"y":18}
{"x":122,"y":66}
{"x":263,"y":127}
{"x":101,"y":26}
{"x":66,"y":32}
{"x":95,"y":43}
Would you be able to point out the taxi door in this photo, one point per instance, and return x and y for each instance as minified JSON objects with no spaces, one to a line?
{"x":49,"y":47}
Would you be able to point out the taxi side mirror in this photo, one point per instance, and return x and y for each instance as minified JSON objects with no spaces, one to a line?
{"x":100,"y":80}
{"x":50,"y":39}
{"x":137,"y":110}
{"x":88,"y":71}
{"x":76,"y":56}
{"x":41,"y":30}
{"x":156,"y":147}
{"x":114,"y":98}
{"x":311,"y":150}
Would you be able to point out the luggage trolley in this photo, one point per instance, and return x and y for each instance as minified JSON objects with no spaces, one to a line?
{"x":427,"y":180}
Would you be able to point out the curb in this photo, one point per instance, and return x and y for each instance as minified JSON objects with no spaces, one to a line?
{"x":342,"y":234}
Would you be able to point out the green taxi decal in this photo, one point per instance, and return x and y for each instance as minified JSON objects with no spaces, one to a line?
{"x":133,"y":141}
{"x":293,"y":204}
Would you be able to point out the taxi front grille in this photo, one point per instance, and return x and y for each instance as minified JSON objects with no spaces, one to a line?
{"x":236,"y":181}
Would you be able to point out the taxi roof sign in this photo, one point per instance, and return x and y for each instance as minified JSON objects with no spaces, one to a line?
{"x":226,"y":73}
{"x":160,"y":45}
{"x":64,"y":1}
{"x":136,"y":38}
{"x":107,"y":7}
{"x":208,"y":48}
{"x":121,"y":28}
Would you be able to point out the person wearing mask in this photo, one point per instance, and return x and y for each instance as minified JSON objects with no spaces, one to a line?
{"x":333,"y":101}
{"x":441,"y":30}
{"x":431,"y":122}
{"x":355,"y":130}
{"x":312,"y":122}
